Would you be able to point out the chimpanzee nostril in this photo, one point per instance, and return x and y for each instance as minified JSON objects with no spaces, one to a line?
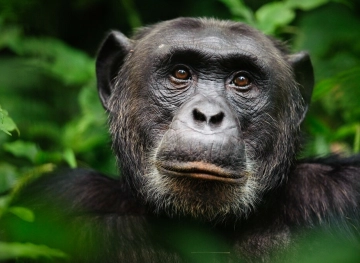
{"x":199,"y":116}
{"x":217,"y":118}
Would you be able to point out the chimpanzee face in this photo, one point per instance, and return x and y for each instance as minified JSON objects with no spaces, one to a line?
{"x":204,"y":114}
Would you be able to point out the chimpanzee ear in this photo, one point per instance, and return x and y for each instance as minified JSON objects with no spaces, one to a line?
{"x":109,"y":60}
{"x":304,"y":76}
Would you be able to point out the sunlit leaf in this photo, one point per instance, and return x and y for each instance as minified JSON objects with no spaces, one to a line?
{"x":273,"y":15}
{"x":23,"y":213}
{"x":28,"y":250}
{"x":22,"y":149}
{"x":240,"y":11}
{"x":72,"y":66}
{"x":306,"y":4}
{"x":69,"y":157}
{"x":6,"y":123}
{"x":322,"y":147}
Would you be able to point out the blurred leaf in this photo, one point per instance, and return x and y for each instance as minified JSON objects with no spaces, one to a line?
{"x":8,"y":176}
{"x":29,"y":176}
{"x":240,"y":11}
{"x":274,"y":15}
{"x":27,"y":250}
{"x":341,"y":93}
{"x":331,"y":35}
{"x":306,"y":4}
{"x":6,"y":123}
{"x":4,"y":202}
{"x":30,"y":151}
{"x":9,"y":35}
{"x":357,"y":139}
{"x":90,"y":104}
{"x":317,"y":126}
{"x":345,"y":131}
{"x":22,"y":149}
{"x":48,"y":157}
{"x":133,"y":16}
{"x":322,"y":88}
{"x":89,"y":130}
{"x":69,"y":157}
{"x":23,"y":213}
{"x":70,"y":65}
{"x":322,"y":147}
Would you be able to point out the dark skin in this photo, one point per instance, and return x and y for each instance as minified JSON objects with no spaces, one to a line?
{"x":205,"y":118}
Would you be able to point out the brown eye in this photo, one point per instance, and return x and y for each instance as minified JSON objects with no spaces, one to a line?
{"x":181,"y":73}
{"x":241,"y":81}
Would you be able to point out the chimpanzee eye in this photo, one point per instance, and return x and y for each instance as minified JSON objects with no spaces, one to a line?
{"x":241,"y":81}
{"x":181,"y":73}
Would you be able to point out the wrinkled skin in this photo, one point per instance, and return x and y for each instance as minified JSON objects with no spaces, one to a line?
{"x":205,"y":119}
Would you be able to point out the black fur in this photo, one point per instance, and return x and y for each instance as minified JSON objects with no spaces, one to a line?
{"x":209,"y":170}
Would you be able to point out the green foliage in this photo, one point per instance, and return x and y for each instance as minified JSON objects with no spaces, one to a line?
{"x":271,"y":16}
{"x":50,"y":55}
{"x":6,"y":123}
{"x":334,"y":115}
{"x":8,"y":177}
{"x":240,"y":11}
{"x":23,"y":213}
{"x":16,"y":250}
{"x":274,"y":15}
{"x":49,"y":88}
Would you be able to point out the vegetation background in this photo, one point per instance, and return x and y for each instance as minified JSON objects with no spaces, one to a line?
{"x":50,"y":115}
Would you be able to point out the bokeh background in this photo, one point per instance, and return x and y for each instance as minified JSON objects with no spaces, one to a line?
{"x":50,"y":115}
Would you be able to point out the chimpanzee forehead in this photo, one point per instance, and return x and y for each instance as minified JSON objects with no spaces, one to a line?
{"x":206,"y":35}
{"x":217,"y":38}
{"x":212,"y":45}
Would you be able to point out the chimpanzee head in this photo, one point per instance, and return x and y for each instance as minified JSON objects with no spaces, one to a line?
{"x":204,"y":114}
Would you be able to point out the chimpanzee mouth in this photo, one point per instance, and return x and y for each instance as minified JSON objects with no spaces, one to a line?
{"x":200,"y":170}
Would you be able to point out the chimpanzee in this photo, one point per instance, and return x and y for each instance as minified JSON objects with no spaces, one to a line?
{"x":205,"y":122}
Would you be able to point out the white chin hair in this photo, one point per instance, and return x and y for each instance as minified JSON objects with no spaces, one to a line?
{"x":206,"y":200}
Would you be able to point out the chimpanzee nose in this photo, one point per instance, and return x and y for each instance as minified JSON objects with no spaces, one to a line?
{"x":208,"y":115}
{"x":205,"y":114}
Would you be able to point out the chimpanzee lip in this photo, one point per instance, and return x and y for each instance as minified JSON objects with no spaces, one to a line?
{"x":199,"y":170}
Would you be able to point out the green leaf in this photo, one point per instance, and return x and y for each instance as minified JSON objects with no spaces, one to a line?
{"x":22,"y":149}
{"x":48,"y":157}
{"x":273,"y":15}
{"x":6,"y":123}
{"x":28,"y":250}
{"x":23,"y":213}
{"x":321,"y":89}
{"x":70,"y":65}
{"x":69,"y":157}
{"x":306,"y":4}
{"x":322,"y":147}
{"x":8,"y":176}
{"x":345,"y":131}
{"x":357,"y":139}
{"x":240,"y":11}
{"x":9,"y":35}
{"x":4,"y":202}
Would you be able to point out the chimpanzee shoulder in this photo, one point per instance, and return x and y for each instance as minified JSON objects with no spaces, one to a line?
{"x":79,"y":191}
{"x":321,"y":190}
